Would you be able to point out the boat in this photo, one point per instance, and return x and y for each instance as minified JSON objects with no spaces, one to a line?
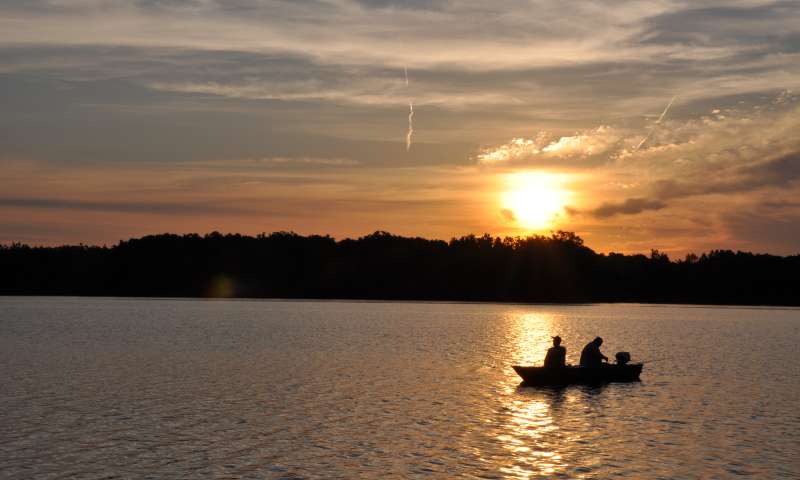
{"x":575,"y":375}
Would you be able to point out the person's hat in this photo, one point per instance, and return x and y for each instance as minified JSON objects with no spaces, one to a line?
{"x":557,"y":338}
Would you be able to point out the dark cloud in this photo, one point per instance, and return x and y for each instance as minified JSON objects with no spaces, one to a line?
{"x":781,"y":205}
{"x":168,"y":3}
{"x":240,"y":7}
{"x":780,"y":172}
{"x":755,"y":231}
{"x":727,"y":26}
{"x":406,"y":4}
{"x":571,"y":211}
{"x":630,"y":206}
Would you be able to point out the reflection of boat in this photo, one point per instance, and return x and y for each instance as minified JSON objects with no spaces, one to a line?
{"x":570,"y":375}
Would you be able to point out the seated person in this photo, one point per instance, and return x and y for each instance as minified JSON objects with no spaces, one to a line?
{"x":556,"y":355}
{"x":591,"y":356}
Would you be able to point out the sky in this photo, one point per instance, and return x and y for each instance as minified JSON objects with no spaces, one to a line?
{"x":653,"y":124}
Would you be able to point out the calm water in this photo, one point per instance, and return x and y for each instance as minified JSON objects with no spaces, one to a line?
{"x":108,"y":388}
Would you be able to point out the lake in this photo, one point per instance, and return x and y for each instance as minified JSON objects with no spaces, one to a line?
{"x":174,"y":388}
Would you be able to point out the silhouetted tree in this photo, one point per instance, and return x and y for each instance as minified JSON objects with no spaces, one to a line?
{"x":554,"y":268}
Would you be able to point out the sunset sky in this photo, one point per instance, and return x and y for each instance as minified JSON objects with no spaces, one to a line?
{"x":636,"y":124}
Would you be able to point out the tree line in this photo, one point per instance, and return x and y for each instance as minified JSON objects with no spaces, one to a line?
{"x":382,"y":266}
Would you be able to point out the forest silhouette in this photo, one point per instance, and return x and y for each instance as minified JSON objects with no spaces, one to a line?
{"x":381,"y":266}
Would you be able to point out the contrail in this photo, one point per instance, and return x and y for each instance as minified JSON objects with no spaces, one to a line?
{"x":410,"y":115}
{"x":410,"y":125}
{"x":660,"y":117}
{"x":643,"y":140}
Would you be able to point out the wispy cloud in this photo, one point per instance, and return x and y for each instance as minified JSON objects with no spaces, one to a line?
{"x":374,"y":92}
{"x":470,"y":35}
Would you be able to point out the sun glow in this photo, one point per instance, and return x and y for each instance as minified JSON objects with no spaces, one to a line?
{"x":534,"y":200}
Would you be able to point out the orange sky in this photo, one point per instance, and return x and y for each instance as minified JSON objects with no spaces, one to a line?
{"x":653,"y":124}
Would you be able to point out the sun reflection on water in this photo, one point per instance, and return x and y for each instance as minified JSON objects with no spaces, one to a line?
{"x":532,"y":333}
{"x":529,"y":428}
{"x":530,"y":425}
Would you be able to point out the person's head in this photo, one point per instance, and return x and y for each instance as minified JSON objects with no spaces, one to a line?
{"x":556,"y":341}
{"x":598,"y":341}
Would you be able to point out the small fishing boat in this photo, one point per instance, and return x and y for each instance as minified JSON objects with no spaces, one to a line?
{"x":574,"y":375}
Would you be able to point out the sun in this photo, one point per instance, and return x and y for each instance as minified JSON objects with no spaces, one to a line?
{"x":534,"y":200}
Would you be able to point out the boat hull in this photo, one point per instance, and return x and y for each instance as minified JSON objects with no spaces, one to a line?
{"x":570,"y":375}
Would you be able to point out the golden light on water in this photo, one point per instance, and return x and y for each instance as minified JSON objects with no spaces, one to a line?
{"x":530,"y":431}
{"x":531,"y":428}
{"x":533,"y":336}
{"x":534,"y":200}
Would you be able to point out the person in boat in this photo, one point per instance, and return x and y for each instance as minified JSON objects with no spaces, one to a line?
{"x":591,"y":356}
{"x":556,"y":355}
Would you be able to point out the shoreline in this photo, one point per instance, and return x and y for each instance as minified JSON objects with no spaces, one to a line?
{"x":419,"y":301}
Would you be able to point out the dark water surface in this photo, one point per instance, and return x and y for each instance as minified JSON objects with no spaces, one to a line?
{"x":131,"y":388}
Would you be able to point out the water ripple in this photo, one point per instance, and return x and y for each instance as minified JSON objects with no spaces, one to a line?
{"x":124,"y":388}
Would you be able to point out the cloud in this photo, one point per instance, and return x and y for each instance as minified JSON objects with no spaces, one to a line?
{"x":544,"y":148}
{"x":726,"y":24}
{"x":470,"y":35}
{"x":737,"y":151}
{"x":362,"y":35}
{"x":361,"y":89}
{"x":752,"y":230}
{"x":630,"y":206}
{"x":343,"y":162}
{"x":313,"y":88}
{"x":782,"y":171}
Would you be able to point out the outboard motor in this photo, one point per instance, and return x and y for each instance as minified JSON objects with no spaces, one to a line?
{"x":623,"y":358}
